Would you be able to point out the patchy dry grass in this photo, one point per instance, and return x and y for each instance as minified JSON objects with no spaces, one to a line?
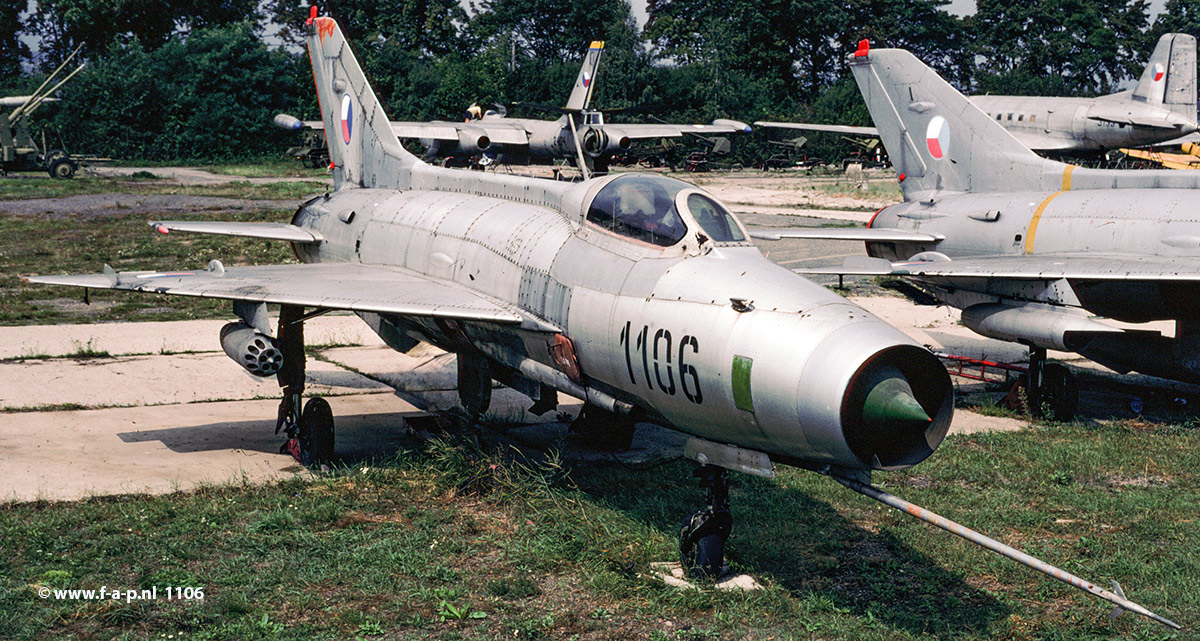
{"x":25,"y":188}
{"x":76,"y":244}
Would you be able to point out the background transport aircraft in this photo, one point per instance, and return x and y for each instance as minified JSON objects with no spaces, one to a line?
{"x":1031,"y":250}
{"x":1160,"y":109}
{"x":638,"y":293}
{"x":579,"y":132}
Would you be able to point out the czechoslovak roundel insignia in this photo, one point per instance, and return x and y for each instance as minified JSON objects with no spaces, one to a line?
{"x":1158,"y":71}
{"x":937,"y":137}
{"x":347,"y":118}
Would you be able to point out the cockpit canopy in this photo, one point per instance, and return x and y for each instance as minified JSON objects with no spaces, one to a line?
{"x":643,"y":207}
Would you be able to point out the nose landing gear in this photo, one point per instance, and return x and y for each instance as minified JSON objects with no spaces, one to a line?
{"x":702,"y":536}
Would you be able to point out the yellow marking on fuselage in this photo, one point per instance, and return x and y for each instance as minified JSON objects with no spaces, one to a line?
{"x":1066,"y":183}
{"x":1037,"y":218}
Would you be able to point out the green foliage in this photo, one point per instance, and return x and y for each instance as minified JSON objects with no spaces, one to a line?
{"x":183,"y":79}
{"x":1058,"y":47}
{"x":551,"y":29}
{"x":96,"y":24}
{"x":211,"y":95}
{"x":1178,"y":16}
{"x":12,"y":50}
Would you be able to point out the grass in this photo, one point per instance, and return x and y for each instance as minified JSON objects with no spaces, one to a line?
{"x":877,"y":187}
{"x":270,"y":167}
{"x":77,"y":244}
{"x":453,"y":542}
{"x":25,"y":188}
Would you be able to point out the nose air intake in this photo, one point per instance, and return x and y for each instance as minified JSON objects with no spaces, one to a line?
{"x":897,"y":408}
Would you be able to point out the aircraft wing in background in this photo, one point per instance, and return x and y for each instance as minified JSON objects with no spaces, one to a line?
{"x":644,"y":131}
{"x":1075,"y":267}
{"x":837,"y":129}
{"x":497,"y":131}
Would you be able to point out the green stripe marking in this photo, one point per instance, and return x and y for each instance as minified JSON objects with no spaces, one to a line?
{"x":742,"y":397}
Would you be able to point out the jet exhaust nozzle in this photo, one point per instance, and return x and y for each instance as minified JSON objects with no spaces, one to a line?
{"x":598,"y":142}
{"x":473,"y":141}
{"x":291,"y":123}
{"x":897,"y":408}
{"x":257,"y":352}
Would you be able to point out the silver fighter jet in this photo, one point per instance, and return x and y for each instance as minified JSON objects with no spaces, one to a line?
{"x":1031,"y":250}
{"x":639,"y":294}
{"x":1160,"y":109}
{"x":579,"y":133}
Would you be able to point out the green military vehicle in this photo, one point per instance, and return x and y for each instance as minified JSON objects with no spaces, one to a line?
{"x":19,"y":150}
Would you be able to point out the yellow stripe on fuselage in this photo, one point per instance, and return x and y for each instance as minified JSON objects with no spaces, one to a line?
{"x":1037,"y":218}
{"x":1066,"y":184}
{"x":1037,"y":214}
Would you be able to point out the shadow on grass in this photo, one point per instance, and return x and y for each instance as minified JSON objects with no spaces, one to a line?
{"x":806,"y":546}
{"x":801,"y":543}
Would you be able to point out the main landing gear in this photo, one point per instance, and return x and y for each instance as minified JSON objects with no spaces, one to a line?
{"x":309,"y":429}
{"x":703,"y":535}
{"x":1050,"y":388}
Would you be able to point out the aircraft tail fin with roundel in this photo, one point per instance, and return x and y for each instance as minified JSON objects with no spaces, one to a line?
{"x":1170,"y":76}
{"x":937,"y":139}
{"x":363,"y":149}
{"x":581,"y":94}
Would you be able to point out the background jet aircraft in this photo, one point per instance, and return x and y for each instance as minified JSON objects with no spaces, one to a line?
{"x":1031,"y":250}
{"x":638,"y":293}
{"x":1160,"y":109}
{"x":579,"y":133}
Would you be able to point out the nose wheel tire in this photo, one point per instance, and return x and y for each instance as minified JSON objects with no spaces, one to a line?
{"x":702,"y":544}
{"x":703,"y":535}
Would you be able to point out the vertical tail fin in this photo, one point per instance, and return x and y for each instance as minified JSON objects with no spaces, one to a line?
{"x":362,"y":146}
{"x":1170,"y":76}
{"x":581,"y":95}
{"x":937,"y":139}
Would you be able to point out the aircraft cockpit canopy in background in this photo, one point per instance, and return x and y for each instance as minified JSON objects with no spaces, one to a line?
{"x":647,"y":208}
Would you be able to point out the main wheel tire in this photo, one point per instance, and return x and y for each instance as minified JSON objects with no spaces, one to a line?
{"x":1059,"y":393}
{"x":316,"y":431}
{"x":62,"y":167}
{"x":603,"y":430}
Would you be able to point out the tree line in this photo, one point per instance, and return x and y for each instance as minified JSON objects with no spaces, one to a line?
{"x":201,"y":79}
